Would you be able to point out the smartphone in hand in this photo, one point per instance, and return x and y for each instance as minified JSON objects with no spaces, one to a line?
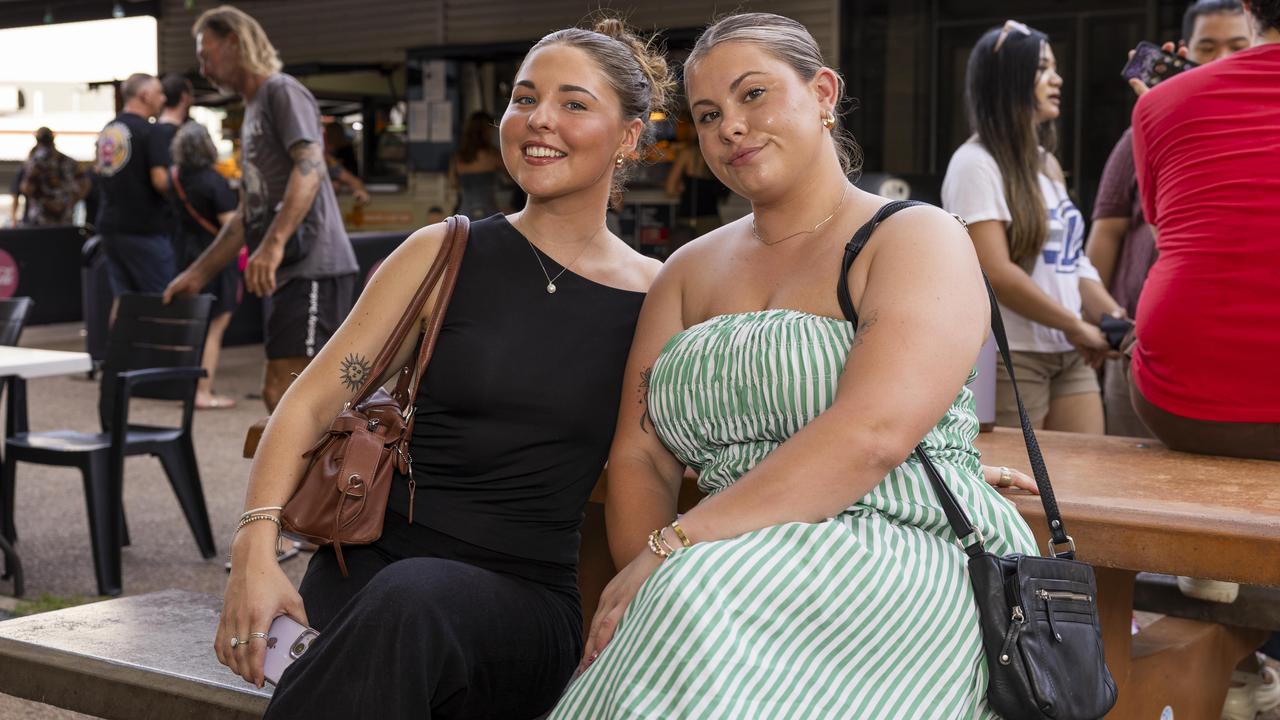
{"x":287,"y":640}
{"x":1152,"y":65}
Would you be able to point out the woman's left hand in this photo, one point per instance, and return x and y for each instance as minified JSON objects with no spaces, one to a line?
{"x":1017,"y":479}
{"x":617,"y":595}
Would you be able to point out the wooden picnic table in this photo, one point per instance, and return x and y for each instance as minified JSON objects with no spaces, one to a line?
{"x":1130,"y":505}
{"x":1133,"y":505}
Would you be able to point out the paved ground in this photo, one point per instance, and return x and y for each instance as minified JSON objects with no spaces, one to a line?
{"x":53,"y":529}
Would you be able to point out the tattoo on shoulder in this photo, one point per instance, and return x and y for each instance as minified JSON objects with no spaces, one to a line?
{"x":307,"y":157}
{"x":355,"y":369}
{"x":643,"y":390}
{"x":864,"y":327}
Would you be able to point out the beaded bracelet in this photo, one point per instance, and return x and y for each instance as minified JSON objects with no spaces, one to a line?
{"x":658,"y":546}
{"x":248,"y":518}
{"x":258,"y":510}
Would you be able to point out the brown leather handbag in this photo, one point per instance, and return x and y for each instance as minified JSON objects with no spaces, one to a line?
{"x":343,"y":495}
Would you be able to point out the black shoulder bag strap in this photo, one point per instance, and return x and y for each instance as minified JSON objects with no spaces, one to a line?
{"x":956,"y":516}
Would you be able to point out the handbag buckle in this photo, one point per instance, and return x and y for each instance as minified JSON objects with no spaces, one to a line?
{"x":1053,"y":547}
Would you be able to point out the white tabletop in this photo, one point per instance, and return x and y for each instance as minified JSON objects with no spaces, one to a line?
{"x":35,"y":363}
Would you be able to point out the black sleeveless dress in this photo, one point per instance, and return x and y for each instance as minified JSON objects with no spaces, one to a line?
{"x":472,"y":611}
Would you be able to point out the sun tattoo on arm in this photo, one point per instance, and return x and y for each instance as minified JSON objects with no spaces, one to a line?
{"x":355,"y":368}
{"x":645,"y":420}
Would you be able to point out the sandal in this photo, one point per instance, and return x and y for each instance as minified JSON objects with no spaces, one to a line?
{"x":215,"y":402}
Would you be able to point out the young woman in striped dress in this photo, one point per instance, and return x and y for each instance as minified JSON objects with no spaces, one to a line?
{"x":819,"y":579}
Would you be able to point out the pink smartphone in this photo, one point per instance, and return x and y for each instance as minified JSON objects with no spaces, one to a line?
{"x":287,"y":640}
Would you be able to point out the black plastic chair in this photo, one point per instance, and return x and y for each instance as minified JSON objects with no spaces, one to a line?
{"x":154,"y":351}
{"x":13,"y":318}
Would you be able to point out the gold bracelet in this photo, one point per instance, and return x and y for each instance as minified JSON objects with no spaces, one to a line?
{"x":256,"y":517}
{"x":679,"y":531}
{"x":259,"y":510}
{"x":655,"y":547}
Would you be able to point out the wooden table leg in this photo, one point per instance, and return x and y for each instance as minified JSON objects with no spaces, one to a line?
{"x":1183,"y":665}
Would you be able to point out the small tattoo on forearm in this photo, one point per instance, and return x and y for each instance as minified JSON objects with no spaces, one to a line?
{"x":355,"y":369}
{"x":645,"y":420}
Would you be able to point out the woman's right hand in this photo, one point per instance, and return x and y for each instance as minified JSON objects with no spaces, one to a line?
{"x":257,"y":593}
{"x":1090,"y":342}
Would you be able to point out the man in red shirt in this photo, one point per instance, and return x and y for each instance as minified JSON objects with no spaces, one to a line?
{"x":1206,"y":147}
{"x":1120,"y":244}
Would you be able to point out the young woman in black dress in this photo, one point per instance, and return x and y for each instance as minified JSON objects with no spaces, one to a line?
{"x":471,"y":611}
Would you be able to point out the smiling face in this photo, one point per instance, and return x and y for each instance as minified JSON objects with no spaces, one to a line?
{"x":759,"y":123}
{"x":1048,"y":87}
{"x":564,"y":129}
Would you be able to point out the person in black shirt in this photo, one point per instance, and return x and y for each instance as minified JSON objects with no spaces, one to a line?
{"x":133,"y":216}
{"x":175,"y":113}
{"x":202,"y":202}
{"x":471,"y":610}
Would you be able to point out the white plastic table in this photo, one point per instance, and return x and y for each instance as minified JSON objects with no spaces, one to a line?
{"x":29,"y":363}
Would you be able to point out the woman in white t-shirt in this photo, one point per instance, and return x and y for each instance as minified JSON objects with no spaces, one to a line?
{"x":1006,"y":183}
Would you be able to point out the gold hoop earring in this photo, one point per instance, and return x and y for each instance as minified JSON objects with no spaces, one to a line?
{"x":829,"y":121}
{"x":619,"y":162}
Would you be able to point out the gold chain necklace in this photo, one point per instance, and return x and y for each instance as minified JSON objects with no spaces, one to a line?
{"x":551,"y":281}
{"x":810,"y":231}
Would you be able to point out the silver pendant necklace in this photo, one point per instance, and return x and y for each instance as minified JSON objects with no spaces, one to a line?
{"x":551,"y":281}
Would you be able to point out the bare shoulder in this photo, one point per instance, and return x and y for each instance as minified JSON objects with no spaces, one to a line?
{"x":703,"y":251}
{"x":923,"y":231}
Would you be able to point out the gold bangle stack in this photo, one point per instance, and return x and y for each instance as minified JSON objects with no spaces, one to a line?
{"x":658,"y":544}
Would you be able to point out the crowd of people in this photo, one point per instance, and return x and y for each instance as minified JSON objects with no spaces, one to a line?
{"x":733,"y":358}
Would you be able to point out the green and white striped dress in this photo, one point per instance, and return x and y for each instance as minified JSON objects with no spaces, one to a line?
{"x":866,"y":615}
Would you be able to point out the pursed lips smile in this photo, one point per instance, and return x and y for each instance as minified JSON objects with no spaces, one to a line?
{"x":743,"y":155}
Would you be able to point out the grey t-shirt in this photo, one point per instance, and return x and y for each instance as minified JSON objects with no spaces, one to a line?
{"x":281,"y":114}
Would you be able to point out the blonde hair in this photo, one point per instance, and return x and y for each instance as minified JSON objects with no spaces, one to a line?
{"x":790,"y":42}
{"x":257,"y":54}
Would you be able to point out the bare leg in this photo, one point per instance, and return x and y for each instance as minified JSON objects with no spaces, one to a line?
{"x":279,"y":374}
{"x":212,"y":347}
{"x":1080,"y":413}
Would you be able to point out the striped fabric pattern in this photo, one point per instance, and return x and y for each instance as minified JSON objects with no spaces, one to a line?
{"x":866,"y":615}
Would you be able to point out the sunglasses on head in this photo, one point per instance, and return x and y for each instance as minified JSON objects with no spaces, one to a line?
{"x":1009,"y":25}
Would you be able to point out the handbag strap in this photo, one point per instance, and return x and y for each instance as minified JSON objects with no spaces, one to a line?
{"x":448,"y":257}
{"x":182,"y":195}
{"x":951,"y":507}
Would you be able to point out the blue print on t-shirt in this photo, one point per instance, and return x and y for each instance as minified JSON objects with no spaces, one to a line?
{"x":1065,"y":245}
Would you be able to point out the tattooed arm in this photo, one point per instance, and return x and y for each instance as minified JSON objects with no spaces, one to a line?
{"x":257,"y":590}
{"x":644,"y":477}
{"x":309,"y":171}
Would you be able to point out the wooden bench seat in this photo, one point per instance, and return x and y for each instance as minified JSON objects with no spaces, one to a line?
{"x":143,"y":657}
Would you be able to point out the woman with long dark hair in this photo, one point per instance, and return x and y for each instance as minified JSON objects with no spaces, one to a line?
{"x":1007,"y":184}
{"x":474,"y":170}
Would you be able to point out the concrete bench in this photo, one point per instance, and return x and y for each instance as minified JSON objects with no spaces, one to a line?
{"x":134,"y":658}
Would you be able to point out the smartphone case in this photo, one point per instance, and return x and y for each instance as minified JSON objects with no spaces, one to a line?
{"x":287,"y":640}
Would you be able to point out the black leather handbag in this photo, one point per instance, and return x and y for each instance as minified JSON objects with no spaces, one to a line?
{"x":1039,"y":615}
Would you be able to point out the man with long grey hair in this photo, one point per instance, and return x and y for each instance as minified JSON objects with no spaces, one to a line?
{"x":301,"y":261}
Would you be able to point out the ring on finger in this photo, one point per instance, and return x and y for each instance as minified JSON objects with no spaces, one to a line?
{"x":1006,"y":478}
{"x":253,"y":635}
{"x":237,"y":642}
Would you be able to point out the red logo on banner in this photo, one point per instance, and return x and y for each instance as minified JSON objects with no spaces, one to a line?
{"x":8,"y":275}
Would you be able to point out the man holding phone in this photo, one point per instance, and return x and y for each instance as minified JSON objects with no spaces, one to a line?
{"x":1121,"y":245}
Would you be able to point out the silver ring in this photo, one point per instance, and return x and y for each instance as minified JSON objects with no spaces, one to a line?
{"x":236,"y":642}
{"x":258,"y":635}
